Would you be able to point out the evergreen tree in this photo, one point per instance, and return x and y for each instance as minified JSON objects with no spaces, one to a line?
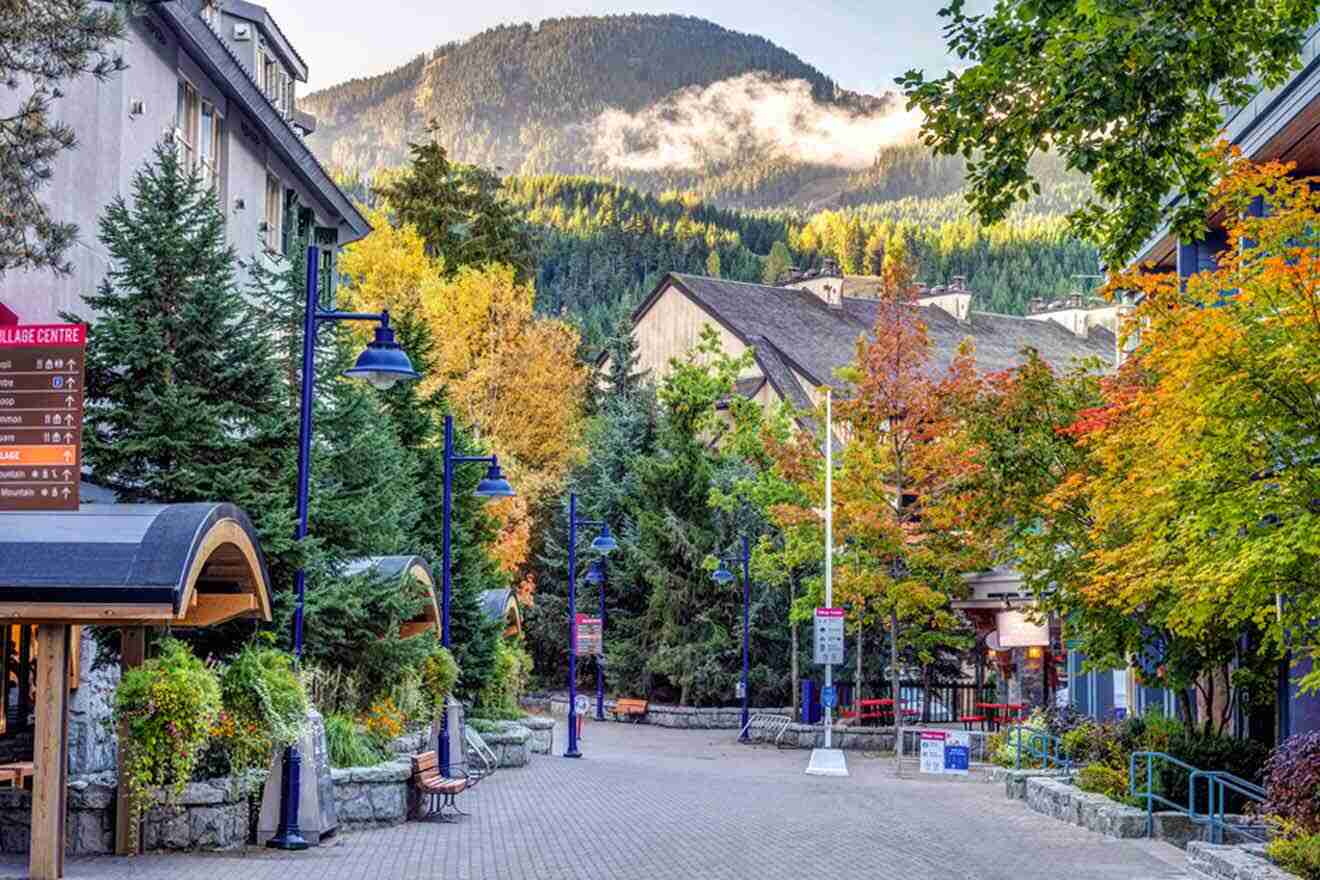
{"x":182,"y":389}
{"x":44,"y":45}
{"x":777,"y":263}
{"x":623,"y":378}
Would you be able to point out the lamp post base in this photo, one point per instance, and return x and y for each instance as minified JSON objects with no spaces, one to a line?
{"x":573,"y":754}
{"x":292,"y":841}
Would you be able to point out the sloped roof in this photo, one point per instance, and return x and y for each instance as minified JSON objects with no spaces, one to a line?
{"x":814,"y":339}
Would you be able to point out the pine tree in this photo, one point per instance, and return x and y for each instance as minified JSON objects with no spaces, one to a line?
{"x":181,"y":379}
{"x":45,"y":44}
{"x":623,"y":378}
{"x":777,"y":263}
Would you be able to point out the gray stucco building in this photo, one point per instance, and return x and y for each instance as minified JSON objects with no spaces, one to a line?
{"x":219,"y":79}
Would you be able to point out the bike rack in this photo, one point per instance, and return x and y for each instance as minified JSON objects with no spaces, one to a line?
{"x":767,"y":725}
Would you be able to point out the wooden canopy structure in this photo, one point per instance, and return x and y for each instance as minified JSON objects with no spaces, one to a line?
{"x":403,"y":570}
{"x":127,"y":565}
{"x":502,"y":605}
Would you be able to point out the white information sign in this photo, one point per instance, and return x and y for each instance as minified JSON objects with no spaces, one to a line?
{"x":828,"y":641}
{"x":945,"y":751}
{"x":1015,"y":631}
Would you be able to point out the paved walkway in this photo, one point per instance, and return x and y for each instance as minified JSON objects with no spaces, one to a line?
{"x":653,"y":803}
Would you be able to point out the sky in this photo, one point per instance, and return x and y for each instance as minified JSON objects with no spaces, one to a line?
{"x":861,"y":44}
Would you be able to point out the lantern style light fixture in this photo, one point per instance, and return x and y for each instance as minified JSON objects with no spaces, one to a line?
{"x":383,"y":362}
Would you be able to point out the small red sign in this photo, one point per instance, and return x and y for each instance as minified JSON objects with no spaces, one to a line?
{"x":829,"y":612}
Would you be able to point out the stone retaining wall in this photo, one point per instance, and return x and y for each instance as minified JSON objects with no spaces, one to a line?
{"x":1233,"y":862}
{"x":371,"y":797}
{"x":1015,"y":781}
{"x":543,"y":733}
{"x":1055,"y":796}
{"x":511,"y":745}
{"x":688,"y":717}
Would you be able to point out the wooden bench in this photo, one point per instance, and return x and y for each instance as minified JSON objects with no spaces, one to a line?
{"x":441,"y":790}
{"x":633,"y":709}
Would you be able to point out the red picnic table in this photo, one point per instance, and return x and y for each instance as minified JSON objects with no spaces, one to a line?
{"x":882,"y":710}
{"x":995,"y":715}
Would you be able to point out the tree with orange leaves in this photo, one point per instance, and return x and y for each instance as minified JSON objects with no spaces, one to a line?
{"x":1203,"y":466}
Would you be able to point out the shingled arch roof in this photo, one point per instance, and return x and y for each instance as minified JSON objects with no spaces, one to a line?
{"x":396,"y":569}
{"x":182,"y":564}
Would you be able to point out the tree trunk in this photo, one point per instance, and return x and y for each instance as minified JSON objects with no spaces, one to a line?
{"x":857,"y":682}
{"x":794,"y":686}
{"x":893,"y":682}
{"x":925,"y":694}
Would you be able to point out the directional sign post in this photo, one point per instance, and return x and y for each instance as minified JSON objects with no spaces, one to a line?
{"x":828,"y":632}
{"x":41,"y":409}
{"x":589,"y":636}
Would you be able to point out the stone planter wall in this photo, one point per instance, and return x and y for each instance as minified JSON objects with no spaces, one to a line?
{"x":862,"y":739}
{"x":689,"y":717}
{"x":371,"y":797}
{"x":511,"y":745}
{"x":543,"y":734}
{"x":1055,"y":796}
{"x":1015,"y":781}
{"x":1233,"y":862}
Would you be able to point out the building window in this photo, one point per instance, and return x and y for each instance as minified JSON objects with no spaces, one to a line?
{"x":210,"y":143}
{"x":187,"y":123}
{"x":274,"y":214}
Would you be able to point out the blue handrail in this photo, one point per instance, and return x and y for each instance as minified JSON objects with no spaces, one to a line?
{"x":1050,"y":750}
{"x":1218,"y":783}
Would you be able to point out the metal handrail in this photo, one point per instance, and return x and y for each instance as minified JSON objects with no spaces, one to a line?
{"x":1219,"y":782}
{"x":1047,"y":755}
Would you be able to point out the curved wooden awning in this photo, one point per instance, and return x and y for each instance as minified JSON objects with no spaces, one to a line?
{"x":133,"y":564}
{"x":398,"y":570}
{"x":502,"y":605}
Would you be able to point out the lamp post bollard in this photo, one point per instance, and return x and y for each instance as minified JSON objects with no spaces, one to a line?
{"x":747,"y":601}
{"x":722,"y":575}
{"x":492,"y":486}
{"x":382,"y":364}
{"x":603,"y":544}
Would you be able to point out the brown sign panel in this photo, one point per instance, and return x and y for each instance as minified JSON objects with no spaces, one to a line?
{"x":41,"y":409}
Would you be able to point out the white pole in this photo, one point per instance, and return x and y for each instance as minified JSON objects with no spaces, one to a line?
{"x":829,"y":545}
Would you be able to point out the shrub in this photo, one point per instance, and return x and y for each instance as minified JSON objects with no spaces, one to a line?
{"x":1104,"y":779}
{"x":349,"y":744}
{"x":502,"y":695}
{"x":440,"y":673}
{"x":1297,"y":853}
{"x":1206,"y":751}
{"x":265,"y":705}
{"x":1005,"y":744}
{"x":333,"y":690}
{"x":1292,"y":782}
{"x":383,"y":721}
{"x":166,"y":708}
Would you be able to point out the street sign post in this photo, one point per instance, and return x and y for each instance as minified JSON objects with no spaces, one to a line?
{"x":590,"y":639}
{"x":828,"y":632}
{"x":41,"y":410}
{"x":829,"y":697}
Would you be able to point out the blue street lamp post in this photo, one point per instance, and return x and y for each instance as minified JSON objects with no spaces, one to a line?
{"x":596,"y":577}
{"x":382,"y":364}
{"x":723,"y":576}
{"x":493,"y":485}
{"x":603,"y":544}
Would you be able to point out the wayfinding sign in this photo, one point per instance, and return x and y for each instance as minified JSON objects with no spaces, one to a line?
{"x":945,"y":751}
{"x":589,"y":637}
{"x":828,"y":641}
{"x":41,"y":409}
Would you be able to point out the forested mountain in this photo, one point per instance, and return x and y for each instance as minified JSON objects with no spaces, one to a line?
{"x":635,"y":145}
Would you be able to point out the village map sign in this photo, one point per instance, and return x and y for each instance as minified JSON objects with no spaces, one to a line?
{"x":41,"y":408}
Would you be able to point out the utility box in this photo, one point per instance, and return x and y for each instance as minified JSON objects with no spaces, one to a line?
{"x":457,"y":744}
{"x":317,"y":817}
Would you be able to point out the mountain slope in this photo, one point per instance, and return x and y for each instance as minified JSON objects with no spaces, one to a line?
{"x":532,"y":99}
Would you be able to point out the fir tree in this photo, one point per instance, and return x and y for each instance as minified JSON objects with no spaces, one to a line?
{"x":623,"y":378}
{"x":181,"y":379}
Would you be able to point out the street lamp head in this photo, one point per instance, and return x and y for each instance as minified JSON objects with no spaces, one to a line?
{"x":604,"y":542}
{"x":722,"y":575}
{"x":493,"y":485}
{"x":383,"y":362}
{"x":596,"y":574}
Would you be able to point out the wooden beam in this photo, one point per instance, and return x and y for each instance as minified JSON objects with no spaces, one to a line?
{"x":212,"y":608}
{"x":36,"y":612}
{"x":132,"y":654}
{"x":416,"y":628}
{"x":50,"y":758}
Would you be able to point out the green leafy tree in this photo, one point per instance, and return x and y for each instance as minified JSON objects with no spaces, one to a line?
{"x":1131,"y":95}
{"x":777,"y":263}
{"x":45,"y":44}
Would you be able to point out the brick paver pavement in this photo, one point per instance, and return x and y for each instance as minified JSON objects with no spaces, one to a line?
{"x":653,"y":803}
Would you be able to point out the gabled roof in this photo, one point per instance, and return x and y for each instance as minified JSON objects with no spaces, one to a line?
{"x":219,"y":62}
{"x":791,"y":328}
{"x":260,"y":16}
